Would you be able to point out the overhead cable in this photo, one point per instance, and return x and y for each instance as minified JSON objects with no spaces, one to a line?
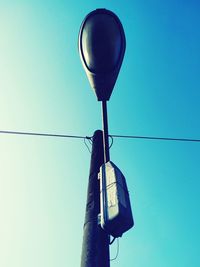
{"x":155,"y":138}
{"x":44,"y":134}
{"x":90,"y":137}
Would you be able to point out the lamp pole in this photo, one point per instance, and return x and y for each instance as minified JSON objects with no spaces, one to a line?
{"x":105,"y":132}
{"x":101,"y":47}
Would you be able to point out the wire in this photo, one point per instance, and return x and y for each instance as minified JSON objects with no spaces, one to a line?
{"x":117,"y":253}
{"x":44,"y":134}
{"x":155,"y":138}
{"x":87,"y":144}
{"x":111,"y":242}
{"x":111,"y":141}
{"x":90,"y":138}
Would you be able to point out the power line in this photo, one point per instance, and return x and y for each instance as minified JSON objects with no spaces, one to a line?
{"x":156,"y":138}
{"x":44,"y":134}
{"x":89,"y":138}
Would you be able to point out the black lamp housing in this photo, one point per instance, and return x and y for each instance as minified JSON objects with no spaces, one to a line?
{"x":102,"y":46}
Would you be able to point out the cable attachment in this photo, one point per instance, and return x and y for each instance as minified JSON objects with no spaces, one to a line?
{"x":117,"y":252}
{"x":87,"y":138}
{"x":110,"y":136}
{"x":113,"y":240}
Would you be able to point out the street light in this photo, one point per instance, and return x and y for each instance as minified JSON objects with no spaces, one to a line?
{"x":102,"y":46}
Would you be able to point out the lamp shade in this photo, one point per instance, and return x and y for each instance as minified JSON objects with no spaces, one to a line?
{"x":102,"y":46}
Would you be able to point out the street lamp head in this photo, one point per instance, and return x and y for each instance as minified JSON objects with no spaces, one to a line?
{"x":102,"y":46}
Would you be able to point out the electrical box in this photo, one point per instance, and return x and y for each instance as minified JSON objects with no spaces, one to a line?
{"x":116,"y":215}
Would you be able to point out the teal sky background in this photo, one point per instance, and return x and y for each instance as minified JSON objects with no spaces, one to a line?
{"x":43,"y":88}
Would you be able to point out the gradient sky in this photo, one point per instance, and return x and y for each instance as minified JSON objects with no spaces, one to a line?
{"x":43,"y":88}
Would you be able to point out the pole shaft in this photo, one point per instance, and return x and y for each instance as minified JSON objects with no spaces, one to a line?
{"x":105,"y":132}
{"x":95,"y":247}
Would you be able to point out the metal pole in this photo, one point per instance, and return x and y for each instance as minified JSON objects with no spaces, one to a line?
{"x":105,"y":132}
{"x":95,"y":247}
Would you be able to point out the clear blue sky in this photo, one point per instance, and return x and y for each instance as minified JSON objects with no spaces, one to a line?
{"x":43,"y":88}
